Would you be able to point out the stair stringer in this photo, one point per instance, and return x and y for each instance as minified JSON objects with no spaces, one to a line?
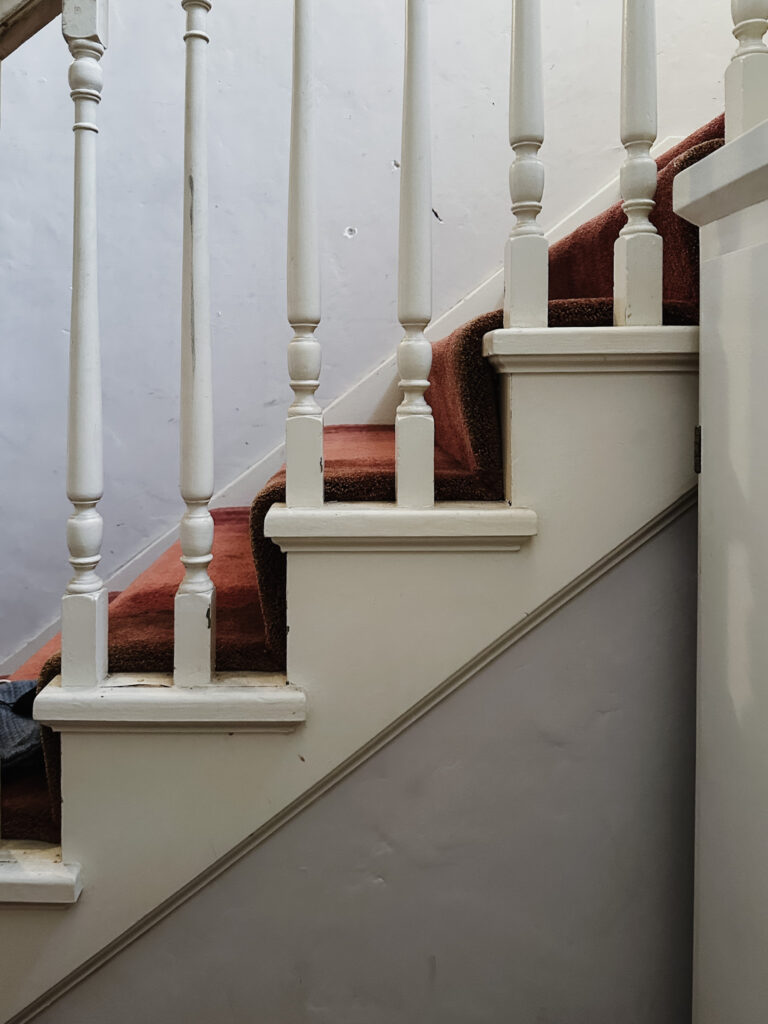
{"x":377,"y":637}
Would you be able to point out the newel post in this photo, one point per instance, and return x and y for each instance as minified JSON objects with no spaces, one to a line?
{"x":84,"y":606}
{"x":195,"y":606}
{"x":746,"y":78}
{"x":414,"y":426}
{"x":304,"y":426}
{"x":526,"y":264}
{"x":639,"y":252}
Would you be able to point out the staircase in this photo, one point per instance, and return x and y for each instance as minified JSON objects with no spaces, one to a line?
{"x":277,"y":647}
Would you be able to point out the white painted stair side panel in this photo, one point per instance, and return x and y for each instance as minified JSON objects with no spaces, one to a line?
{"x":597,"y":455}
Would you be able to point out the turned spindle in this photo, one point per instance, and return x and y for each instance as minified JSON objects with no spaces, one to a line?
{"x":84,"y":605}
{"x":639,"y":251}
{"x":526,"y":264}
{"x":304,"y":425}
{"x":195,"y":605}
{"x":414,"y":426}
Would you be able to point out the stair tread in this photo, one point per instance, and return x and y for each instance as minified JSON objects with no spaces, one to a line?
{"x":32,"y":872}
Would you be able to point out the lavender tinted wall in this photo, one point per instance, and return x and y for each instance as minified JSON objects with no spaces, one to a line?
{"x":522,"y":855}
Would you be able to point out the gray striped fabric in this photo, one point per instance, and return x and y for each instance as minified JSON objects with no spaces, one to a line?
{"x":19,"y":734}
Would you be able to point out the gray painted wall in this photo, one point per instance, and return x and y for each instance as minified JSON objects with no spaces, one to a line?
{"x":523,"y":854}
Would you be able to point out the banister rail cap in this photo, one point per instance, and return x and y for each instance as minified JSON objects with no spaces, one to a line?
{"x":21,"y":19}
{"x":85,"y":19}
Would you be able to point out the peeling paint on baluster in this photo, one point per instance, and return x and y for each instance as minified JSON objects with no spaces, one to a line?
{"x":84,"y":610}
{"x":195,"y":604}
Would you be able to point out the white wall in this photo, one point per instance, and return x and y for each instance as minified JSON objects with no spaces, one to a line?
{"x":359,"y":49}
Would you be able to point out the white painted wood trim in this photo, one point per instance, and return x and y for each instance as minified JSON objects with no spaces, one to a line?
{"x":33,"y":873}
{"x":373,"y":526}
{"x":235,"y":702}
{"x":21,"y":19}
{"x":734,"y":233}
{"x":592,"y":350}
{"x":726,"y":181}
{"x":372,"y":399}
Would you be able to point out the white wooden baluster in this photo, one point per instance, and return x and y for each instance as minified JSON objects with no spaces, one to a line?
{"x":304,"y":427}
{"x":195,"y":610}
{"x":746,"y":79}
{"x":414,"y":426}
{"x":526,"y":278}
{"x":84,"y":606}
{"x":639,"y":252}
{"x":1,"y":782}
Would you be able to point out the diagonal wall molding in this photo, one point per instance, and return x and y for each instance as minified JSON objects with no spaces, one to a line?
{"x":411,"y":717}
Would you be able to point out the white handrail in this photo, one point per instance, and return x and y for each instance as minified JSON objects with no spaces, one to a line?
{"x":84,"y":605}
{"x":195,"y":606}
{"x":304,"y":425}
{"x":639,"y":252}
{"x":21,"y":19}
{"x":414,"y":426}
{"x":526,"y":264}
{"x":746,"y":78}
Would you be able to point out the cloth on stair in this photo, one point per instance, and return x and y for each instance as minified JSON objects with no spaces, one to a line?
{"x":19,"y":732}
{"x":25,"y":810}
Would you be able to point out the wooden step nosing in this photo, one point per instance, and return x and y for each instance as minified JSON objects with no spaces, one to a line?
{"x":376,"y":526}
{"x":594,"y":350}
{"x":33,"y":874}
{"x":150,"y":703}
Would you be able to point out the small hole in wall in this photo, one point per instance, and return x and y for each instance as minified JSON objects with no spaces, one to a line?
{"x":350,"y":232}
